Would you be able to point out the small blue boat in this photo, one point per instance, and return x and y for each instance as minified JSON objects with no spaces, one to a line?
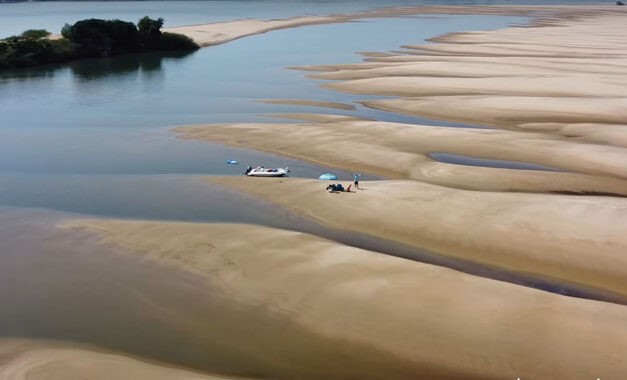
{"x":232,"y":162}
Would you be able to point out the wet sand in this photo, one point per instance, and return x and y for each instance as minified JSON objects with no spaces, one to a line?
{"x":563,"y":79}
{"x":152,"y":298}
{"x":551,"y":104}
{"x":30,"y":359}
{"x":570,"y":238}
{"x":312,"y":103}
{"x":240,"y":300}
{"x":399,"y":150}
{"x":359,"y":299}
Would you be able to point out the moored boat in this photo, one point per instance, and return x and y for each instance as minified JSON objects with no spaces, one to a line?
{"x":260,"y":171}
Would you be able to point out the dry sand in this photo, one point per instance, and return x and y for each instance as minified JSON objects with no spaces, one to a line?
{"x":570,"y":72}
{"x":556,"y":90}
{"x":388,"y":318}
{"x":400,"y":151}
{"x":573,"y":239}
{"x":22,"y":359}
{"x":563,"y":79}
{"x":221,"y":32}
{"x":308,"y":308}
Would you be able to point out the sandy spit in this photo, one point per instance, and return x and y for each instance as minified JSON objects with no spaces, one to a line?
{"x":389,"y":318}
{"x":221,"y":32}
{"x":23,"y":359}
{"x":400,"y":151}
{"x":569,"y":238}
{"x":570,"y":71}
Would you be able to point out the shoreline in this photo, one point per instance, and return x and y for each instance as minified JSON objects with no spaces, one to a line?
{"x":401,"y":151}
{"x":261,"y":302}
{"x":523,"y":233}
{"x":543,"y":232}
{"x":357,"y":299}
{"x":221,"y":32}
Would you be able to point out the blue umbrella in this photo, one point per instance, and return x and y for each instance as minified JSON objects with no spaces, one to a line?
{"x":328,"y":177}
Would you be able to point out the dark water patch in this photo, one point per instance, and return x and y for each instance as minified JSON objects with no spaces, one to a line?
{"x":459,"y":159}
{"x":383,"y":115}
{"x":589,"y":193}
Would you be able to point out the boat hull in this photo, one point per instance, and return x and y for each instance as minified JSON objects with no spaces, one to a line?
{"x":278,"y":172}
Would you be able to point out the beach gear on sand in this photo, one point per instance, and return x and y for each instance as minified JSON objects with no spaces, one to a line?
{"x":335,"y":187}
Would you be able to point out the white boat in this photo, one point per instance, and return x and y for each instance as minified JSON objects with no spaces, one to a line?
{"x":260,"y":171}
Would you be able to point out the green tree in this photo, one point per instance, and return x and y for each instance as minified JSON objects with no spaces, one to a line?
{"x":150,"y":31}
{"x":103,"y":37}
{"x":90,"y":38}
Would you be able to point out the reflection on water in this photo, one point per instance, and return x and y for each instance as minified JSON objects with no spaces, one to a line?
{"x":107,"y":68}
{"x":214,"y":84}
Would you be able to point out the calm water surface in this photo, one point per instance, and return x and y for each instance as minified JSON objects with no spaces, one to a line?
{"x":93,"y":137}
{"x":17,"y":17}
{"x":110,"y":117}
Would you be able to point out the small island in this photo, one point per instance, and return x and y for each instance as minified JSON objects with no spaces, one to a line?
{"x":88,"y":39}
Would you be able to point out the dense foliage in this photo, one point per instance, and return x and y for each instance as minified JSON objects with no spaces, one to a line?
{"x":89,"y":38}
{"x":34,"y":48}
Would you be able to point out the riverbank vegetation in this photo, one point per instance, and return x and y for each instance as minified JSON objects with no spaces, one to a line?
{"x":87,"y":39}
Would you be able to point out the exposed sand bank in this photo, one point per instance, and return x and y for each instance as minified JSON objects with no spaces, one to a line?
{"x":573,"y":239}
{"x":388,"y":318}
{"x":22,"y":359}
{"x":400,"y":151}
{"x":221,"y":32}
{"x":569,"y":72}
{"x":562,"y":79}
{"x":305,"y":102}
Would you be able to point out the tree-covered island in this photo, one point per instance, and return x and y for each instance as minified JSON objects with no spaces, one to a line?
{"x":90,"y":38}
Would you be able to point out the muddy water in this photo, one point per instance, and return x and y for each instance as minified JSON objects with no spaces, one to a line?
{"x":60,"y":285}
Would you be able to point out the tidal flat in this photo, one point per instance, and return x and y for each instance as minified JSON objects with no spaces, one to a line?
{"x":128,"y":247}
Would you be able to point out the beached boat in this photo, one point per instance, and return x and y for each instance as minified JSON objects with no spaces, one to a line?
{"x":260,"y":171}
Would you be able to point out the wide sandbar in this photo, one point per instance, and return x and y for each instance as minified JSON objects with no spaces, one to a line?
{"x":375,"y":316}
{"x":23,"y":359}
{"x":575,"y":239}
{"x":401,"y":151}
{"x":221,"y":32}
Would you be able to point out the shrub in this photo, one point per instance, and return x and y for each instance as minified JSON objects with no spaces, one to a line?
{"x":174,"y":41}
{"x":35,"y":34}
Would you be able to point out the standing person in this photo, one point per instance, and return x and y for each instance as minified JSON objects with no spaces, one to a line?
{"x":356,"y":179}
